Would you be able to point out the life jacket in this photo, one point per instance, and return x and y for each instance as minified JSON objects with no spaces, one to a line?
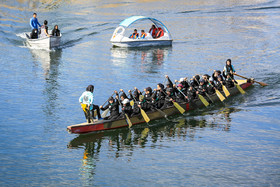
{"x":143,"y":35}
{"x":134,"y":35}
{"x":160,"y":33}
{"x":154,"y":32}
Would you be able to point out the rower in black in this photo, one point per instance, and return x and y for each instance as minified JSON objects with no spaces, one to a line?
{"x":113,"y":108}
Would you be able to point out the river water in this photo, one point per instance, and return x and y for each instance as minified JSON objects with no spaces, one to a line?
{"x":235,"y":144}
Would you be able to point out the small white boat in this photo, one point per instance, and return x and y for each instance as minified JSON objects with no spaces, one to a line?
{"x":45,"y":42}
{"x":121,"y":39}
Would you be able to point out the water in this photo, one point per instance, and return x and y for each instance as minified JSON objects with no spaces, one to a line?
{"x":236,"y":144}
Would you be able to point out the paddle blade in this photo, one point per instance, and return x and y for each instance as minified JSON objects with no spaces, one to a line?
{"x":220,"y":95}
{"x":128,"y":121}
{"x":131,"y":103}
{"x":179,"y":107}
{"x":145,"y":116}
{"x":203,"y":100}
{"x":104,"y":114}
{"x":262,"y":83}
{"x":240,"y":89}
{"x":226,"y":91}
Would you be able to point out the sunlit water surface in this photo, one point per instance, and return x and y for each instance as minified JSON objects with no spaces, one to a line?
{"x":235,"y":144}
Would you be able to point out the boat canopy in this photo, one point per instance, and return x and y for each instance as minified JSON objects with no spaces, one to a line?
{"x":128,"y":21}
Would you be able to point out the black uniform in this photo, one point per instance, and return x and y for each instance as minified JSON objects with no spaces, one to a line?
{"x":114,"y":110}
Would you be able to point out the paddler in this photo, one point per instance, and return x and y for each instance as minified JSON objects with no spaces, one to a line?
{"x":87,"y":98}
{"x":113,"y":108}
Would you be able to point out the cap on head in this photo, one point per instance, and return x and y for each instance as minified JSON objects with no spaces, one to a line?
{"x":181,"y":79}
{"x":125,"y":101}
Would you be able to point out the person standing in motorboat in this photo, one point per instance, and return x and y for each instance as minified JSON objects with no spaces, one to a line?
{"x":44,"y":30}
{"x":56,"y":31}
{"x":34,"y":22}
{"x":34,"y":25}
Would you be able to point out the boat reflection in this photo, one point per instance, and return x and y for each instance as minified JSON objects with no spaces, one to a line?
{"x":49,"y":60}
{"x":150,"y":57}
{"x":122,"y":142}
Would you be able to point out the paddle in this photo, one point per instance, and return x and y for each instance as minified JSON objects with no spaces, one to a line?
{"x":239,"y":88}
{"x":143,"y":113}
{"x":218,"y":93}
{"x":126,"y":116}
{"x":104,"y":114}
{"x":202,"y":99}
{"x":261,"y":83}
{"x":176,"y":105}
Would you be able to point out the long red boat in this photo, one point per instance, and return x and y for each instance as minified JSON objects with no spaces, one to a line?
{"x":113,"y":124}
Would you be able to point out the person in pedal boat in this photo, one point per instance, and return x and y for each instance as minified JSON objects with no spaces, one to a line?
{"x":153,"y":31}
{"x":228,"y":69}
{"x":143,"y":34}
{"x":134,"y":35}
{"x":56,"y":31}
{"x":88,"y":99}
{"x":44,"y":30}
{"x":113,"y":108}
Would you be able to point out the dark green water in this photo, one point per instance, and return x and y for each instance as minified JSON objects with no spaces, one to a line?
{"x":236,"y":144}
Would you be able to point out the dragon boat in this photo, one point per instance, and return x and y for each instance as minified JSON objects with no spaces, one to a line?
{"x":102,"y":125}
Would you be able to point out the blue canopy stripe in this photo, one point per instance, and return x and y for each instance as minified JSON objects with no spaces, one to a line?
{"x":128,"y":21}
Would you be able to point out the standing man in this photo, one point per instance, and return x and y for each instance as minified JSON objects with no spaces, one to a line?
{"x":34,"y":22}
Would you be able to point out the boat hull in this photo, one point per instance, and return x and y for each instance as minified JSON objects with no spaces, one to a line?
{"x":44,"y":43}
{"x":107,"y":124}
{"x":143,"y":43}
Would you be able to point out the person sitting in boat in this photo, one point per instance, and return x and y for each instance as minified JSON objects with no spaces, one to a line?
{"x":169,"y":84}
{"x":180,"y":95}
{"x":169,"y":98}
{"x":143,"y":104}
{"x":191,"y":94}
{"x":56,"y":31}
{"x":201,"y":88}
{"x":158,"y":97}
{"x":219,"y":84}
{"x":113,"y":108}
{"x":195,"y":81}
{"x":134,"y":35}
{"x":216,"y":74}
{"x":228,"y":69}
{"x":87,"y":98}
{"x":34,"y":22}
{"x":123,"y":95}
{"x":210,"y":86}
{"x":153,"y":31}
{"x":160,"y":33}
{"x":44,"y":30}
{"x":229,"y":82}
{"x":126,"y":108}
{"x":143,"y":34}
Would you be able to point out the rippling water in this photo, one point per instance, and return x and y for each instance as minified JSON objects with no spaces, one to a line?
{"x":236,"y":144}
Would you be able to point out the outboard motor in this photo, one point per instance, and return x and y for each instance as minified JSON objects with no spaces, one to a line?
{"x":34,"y":34}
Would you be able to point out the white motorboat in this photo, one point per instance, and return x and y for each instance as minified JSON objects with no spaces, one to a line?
{"x":121,"y":39}
{"x":44,"y":42}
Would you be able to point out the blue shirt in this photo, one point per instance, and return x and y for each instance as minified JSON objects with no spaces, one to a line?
{"x":34,"y":23}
